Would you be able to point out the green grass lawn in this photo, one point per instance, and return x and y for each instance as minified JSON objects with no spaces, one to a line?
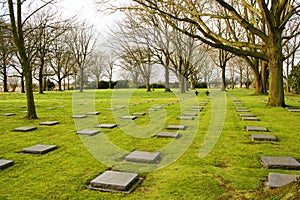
{"x":231,"y":170}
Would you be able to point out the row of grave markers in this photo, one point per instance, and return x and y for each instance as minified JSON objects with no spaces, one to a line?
{"x":269,"y":162}
{"x":112,"y":180}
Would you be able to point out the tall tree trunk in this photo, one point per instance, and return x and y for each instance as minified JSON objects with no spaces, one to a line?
{"x":41,"y":89}
{"x":31,"y":113}
{"x":81,"y":79}
{"x":223,"y":86}
{"x":181,"y":84}
{"x":167,"y":79}
{"x":241,"y":77}
{"x":59,"y":84}
{"x":5,"y":85}
{"x":22,"y":83}
{"x":264,"y":77}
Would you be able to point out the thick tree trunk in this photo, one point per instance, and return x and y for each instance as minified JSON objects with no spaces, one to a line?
{"x":41,"y":89}
{"x":167,"y":79}
{"x":223,"y":86}
{"x":22,"y":84}
{"x":5,"y":85}
{"x":148,"y":89}
{"x":81,"y":79}
{"x":59,"y":84}
{"x":241,"y":77}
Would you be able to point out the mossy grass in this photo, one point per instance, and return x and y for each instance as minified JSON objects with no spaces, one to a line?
{"x":231,"y":170}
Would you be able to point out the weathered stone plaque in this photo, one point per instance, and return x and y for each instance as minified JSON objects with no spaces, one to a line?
{"x":280,"y":162}
{"x":256,"y":128}
{"x":176,"y":127}
{"x":107,"y":126}
{"x":6,"y":164}
{"x":143,"y":157}
{"x":115,"y":181}
{"x":9,"y":114}
{"x":25,"y":128}
{"x":263,"y":137}
{"x":186,"y":118}
{"x":246,"y":115}
{"x":79,"y":116}
{"x":242,"y":110}
{"x":129,"y":117}
{"x":88,"y":132}
{"x":139,"y":113}
{"x":250,"y":119}
{"x":279,"y":180}
{"x":190,"y":114}
{"x":168,"y":135}
{"x":39,"y":149}
{"x":294,"y":110}
{"x":49,"y":123}
{"x":93,"y":113}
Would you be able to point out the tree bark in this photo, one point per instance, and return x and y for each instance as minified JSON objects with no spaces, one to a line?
{"x":31,"y":112}
{"x":81,"y":79}
{"x":167,"y":79}
{"x":241,"y":77}
{"x":22,"y":84}
{"x":41,"y":89}
{"x":5,"y":85}
{"x":223,"y":86}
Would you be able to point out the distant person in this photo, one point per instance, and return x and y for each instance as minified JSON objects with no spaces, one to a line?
{"x":196,"y":93}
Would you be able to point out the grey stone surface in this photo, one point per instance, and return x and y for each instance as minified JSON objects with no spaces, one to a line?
{"x":186,"y":118}
{"x":107,"y":126}
{"x":276,"y":180}
{"x":25,"y":128}
{"x":5,"y":164}
{"x":79,"y":116}
{"x":256,"y":128}
{"x":242,"y":110}
{"x":88,"y":132}
{"x":151,"y":109}
{"x":93,"y":113}
{"x":250,"y":119}
{"x":157,"y":107}
{"x":115,"y":181}
{"x":39,"y":149}
{"x":292,"y":107}
{"x":196,"y":109}
{"x":237,"y":104}
{"x":139,"y":113}
{"x":293,"y":110}
{"x":190,"y":114}
{"x":9,"y":114}
{"x":246,"y":115}
{"x":259,"y":137}
{"x":111,"y":108}
{"x":176,"y":127}
{"x":168,"y":135}
{"x":129,"y":117}
{"x":49,"y":123}
{"x":50,"y":108}
{"x":280,"y":162}
{"x":119,"y":107}
{"x":143,"y":157}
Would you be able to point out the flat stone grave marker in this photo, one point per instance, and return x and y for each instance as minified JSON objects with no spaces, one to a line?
{"x":202,"y":104}
{"x":293,"y":110}
{"x":237,"y":100}
{"x":88,"y":132}
{"x":9,"y":114}
{"x":25,"y":128}
{"x":246,"y":115}
{"x":168,"y":135}
{"x":151,"y":109}
{"x":22,"y":107}
{"x":93,"y":113}
{"x":119,"y":107}
{"x":292,"y":107}
{"x":39,"y":149}
{"x":157,"y":107}
{"x":256,"y":128}
{"x":190,"y":114}
{"x":280,"y":162}
{"x":115,"y":181}
{"x":50,"y":108}
{"x":196,"y":109}
{"x":176,"y":127}
{"x":111,"y":108}
{"x":107,"y":126}
{"x":143,"y":157}
{"x":79,"y":116}
{"x":24,"y":111}
{"x":49,"y":123}
{"x":276,"y":180}
{"x":250,"y":119}
{"x":242,"y":110}
{"x":139,"y":113}
{"x":237,"y":104}
{"x":186,"y":118}
{"x":260,"y":137}
{"x":6,"y":164}
{"x":132,"y":117}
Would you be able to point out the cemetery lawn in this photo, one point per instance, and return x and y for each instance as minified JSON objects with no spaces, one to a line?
{"x":232,"y":170}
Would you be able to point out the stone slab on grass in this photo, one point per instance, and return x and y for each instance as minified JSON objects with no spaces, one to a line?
{"x":25,"y":128}
{"x":143,"y":157}
{"x":151,"y":109}
{"x":6,"y":164}
{"x":260,"y":137}
{"x":280,"y":162}
{"x":107,"y":126}
{"x":250,"y":119}
{"x":88,"y":132}
{"x":176,"y":127}
{"x":196,"y":109}
{"x":293,"y":110}
{"x":129,"y":117}
{"x":168,"y":135}
{"x":242,"y":110}
{"x":246,"y":115}
{"x":49,"y":123}
{"x":93,"y":113}
{"x":190,"y":114}
{"x":39,"y":149}
{"x":139,"y":113}
{"x":157,"y":107}
{"x":79,"y":116}
{"x":119,"y":107}
{"x":8,"y":114}
{"x":276,"y":180}
{"x":256,"y":128}
{"x":186,"y":118}
{"x":111,"y":108}
{"x":112,"y":181}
